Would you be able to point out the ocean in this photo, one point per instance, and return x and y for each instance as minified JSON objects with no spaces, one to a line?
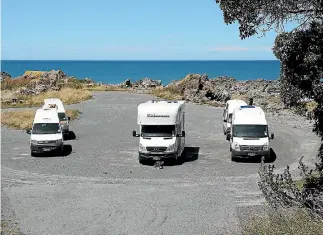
{"x":113,"y":72}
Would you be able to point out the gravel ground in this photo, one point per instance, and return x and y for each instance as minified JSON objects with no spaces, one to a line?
{"x":99,"y":187}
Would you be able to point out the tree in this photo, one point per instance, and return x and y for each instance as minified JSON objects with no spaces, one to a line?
{"x":300,"y":51}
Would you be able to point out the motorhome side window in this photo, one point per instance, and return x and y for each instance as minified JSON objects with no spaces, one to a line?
{"x":256,"y":131}
{"x":46,"y":128}
{"x":158,"y":130}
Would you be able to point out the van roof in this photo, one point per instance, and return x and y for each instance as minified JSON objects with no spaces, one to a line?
{"x":249,"y":115}
{"x":159,"y":112}
{"x":46,"y":116}
{"x":235,"y":103}
{"x":58,"y":102}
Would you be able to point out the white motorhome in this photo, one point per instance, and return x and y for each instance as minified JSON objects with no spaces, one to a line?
{"x":63,"y":118}
{"x":162,"y":130}
{"x":227,"y":115}
{"x":249,"y":135}
{"x":46,"y":134}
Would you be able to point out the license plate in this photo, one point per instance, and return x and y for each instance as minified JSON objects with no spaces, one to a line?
{"x":46,"y":149}
{"x":156,"y":158}
{"x":251,"y":154}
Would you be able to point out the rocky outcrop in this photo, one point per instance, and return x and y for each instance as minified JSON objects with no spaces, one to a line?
{"x":145,"y":83}
{"x":4,"y":75}
{"x":42,"y":82}
{"x":201,"y":89}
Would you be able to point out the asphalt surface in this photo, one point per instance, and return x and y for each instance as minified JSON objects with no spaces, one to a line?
{"x":98,"y":186}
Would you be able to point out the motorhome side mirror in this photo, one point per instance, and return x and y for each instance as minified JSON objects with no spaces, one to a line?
{"x":134,"y":134}
{"x":183,"y":134}
{"x":272,"y":136}
{"x":225,"y":120}
{"x":28,"y":131}
{"x":69,"y":118}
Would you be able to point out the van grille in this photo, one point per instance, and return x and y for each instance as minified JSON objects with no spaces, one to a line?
{"x":156,"y":149}
{"x":47,"y":142}
{"x":250,"y":148}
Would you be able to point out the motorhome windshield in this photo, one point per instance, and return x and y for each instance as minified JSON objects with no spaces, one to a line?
{"x":46,"y":128}
{"x":253,"y":131}
{"x":62,"y":117}
{"x":158,"y":130}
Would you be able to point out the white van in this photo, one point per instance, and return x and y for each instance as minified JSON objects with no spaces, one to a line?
{"x":249,"y":135}
{"x":227,"y":115}
{"x":162,"y":130}
{"x":46,"y":134}
{"x":63,"y":118}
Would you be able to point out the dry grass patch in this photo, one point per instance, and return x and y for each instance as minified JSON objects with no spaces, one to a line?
{"x":11,"y":84}
{"x":167,"y":93}
{"x":105,"y":88}
{"x":66,"y":95}
{"x":310,"y":106}
{"x":294,"y":222}
{"x":22,"y":120}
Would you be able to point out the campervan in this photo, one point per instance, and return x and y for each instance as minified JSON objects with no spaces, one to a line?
{"x":46,"y":134}
{"x":249,"y":135}
{"x":63,"y":118}
{"x":227,"y":115}
{"x":161,"y":130}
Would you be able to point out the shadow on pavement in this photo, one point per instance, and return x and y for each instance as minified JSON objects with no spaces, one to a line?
{"x":70,"y":136}
{"x":272,"y":158}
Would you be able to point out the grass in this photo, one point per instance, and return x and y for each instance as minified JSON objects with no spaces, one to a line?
{"x":22,"y":120}
{"x":296,"y":222}
{"x":66,"y":95}
{"x":167,"y":93}
{"x":7,"y":229}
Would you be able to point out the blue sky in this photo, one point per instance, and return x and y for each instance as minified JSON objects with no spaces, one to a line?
{"x":124,"y":30}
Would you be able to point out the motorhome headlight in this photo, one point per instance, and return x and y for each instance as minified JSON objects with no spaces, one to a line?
{"x":235,"y":146}
{"x":265,"y":146}
{"x":59,"y":141}
{"x":171,"y":148}
{"x":33,"y":141}
{"x":141,"y":147}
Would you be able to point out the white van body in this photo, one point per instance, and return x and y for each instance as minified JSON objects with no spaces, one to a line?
{"x":46,"y":134}
{"x":162,"y":129}
{"x":227,"y":114}
{"x":63,"y":118}
{"x":249,"y":135}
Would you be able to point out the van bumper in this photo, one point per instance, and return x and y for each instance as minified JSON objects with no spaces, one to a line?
{"x":250,"y":154}
{"x":157,"y":156}
{"x":45,"y":148}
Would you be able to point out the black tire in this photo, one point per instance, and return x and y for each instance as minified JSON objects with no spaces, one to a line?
{"x":228,"y":137}
{"x":32,"y":154}
{"x":142,"y":160}
{"x":233,"y":157}
{"x":230,"y":148}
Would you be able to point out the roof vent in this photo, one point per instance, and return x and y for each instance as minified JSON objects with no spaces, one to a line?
{"x":247,"y":106}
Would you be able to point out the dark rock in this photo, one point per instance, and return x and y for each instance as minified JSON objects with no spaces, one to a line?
{"x":4,"y":75}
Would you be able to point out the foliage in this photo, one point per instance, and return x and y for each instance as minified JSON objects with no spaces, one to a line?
{"x":277,"y":222}
{"x":256,"y":16}
{"x":280,"y":190}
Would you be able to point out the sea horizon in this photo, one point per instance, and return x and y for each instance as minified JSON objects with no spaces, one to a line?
{"x":117,"y":71}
